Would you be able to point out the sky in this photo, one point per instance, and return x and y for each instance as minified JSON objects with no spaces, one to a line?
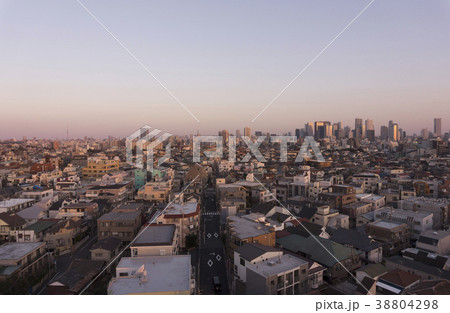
{"x":224,"y":61}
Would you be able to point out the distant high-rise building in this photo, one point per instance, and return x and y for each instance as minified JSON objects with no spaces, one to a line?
{"x":369,"y":126}
{"x":225,"y":136}
{"x":297,"y":133}
{"x":391,"y":130}
{"x":238,"y":134}
{"x":309,"y":129}
{"x":347,"y":131}
{"x":322,"y":129}
{"x":247,"y":132}
{"x":438,"y":127}
{"x":384,"y":133}
{"x":359,"y":128}
{"x":395,"y":132}
{"x":424,"y":133}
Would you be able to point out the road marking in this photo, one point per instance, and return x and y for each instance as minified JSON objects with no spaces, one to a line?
{"x":209,"y":235}
{"x":218,"y":257}
{"x":216,"y":235}
{"x":210,"y":263}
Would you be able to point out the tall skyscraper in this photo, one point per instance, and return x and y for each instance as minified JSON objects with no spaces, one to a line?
{"x":309,"y":129}
{"x":358,"y":128}
{"x":248,"y":132}
{"x":384,"y":133}
{"x":369,"y":125}
{"x":395,"y":132}
{"x":437,"y":127}
{"x":391,"y":130}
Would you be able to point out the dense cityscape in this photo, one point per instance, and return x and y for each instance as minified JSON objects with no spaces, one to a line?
{"x":370,"y":216}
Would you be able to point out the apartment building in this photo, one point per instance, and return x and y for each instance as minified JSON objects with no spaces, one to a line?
{"x":121,"y":225}
{"x":439,"y":207}
{"x":18,"y":259}
{"x":393,"y":236}
{"x":186,"y":217}
{"x":375,"y":201}
{"x":157,"y":239}
{"x":84,"y":210}
{"x":282,"y":275}
{"x":153,"y":275}
{"x":418,"y":222}
{"x":96,"y":168}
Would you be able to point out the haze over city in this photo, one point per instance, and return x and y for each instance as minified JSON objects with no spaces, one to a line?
{"x":225,"y":61}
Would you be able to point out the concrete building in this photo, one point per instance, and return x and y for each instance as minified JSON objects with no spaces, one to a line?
{"x":18,"y":259}
{"x":154,"y":275}
{"x":96,"y":168}
{"x":418,"y":222}
{"x":186,"y":217}
{"x":14,"y":205}
{"x":156,"y":240}
{"x":439,"y":207}
{"x":435,"y":241}
{"x":283,"y":275}
{"x":122,"y":225}
{"x":393,"y":236}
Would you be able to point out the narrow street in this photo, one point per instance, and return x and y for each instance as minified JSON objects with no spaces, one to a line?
{"x":212,"y":254}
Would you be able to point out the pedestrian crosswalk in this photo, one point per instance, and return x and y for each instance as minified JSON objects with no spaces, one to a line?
{"x":210,"y":213}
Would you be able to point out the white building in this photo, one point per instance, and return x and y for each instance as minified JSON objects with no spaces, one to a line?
{"x":418,"y":222}
{"x":154,"y":275}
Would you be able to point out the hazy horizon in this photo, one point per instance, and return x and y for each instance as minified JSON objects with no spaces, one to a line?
{"x":225,"y":61}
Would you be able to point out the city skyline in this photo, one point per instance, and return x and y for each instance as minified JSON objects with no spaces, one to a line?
{"x":76,"y":76}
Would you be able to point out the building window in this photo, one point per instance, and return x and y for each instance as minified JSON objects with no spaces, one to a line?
{"x":242,"y":261}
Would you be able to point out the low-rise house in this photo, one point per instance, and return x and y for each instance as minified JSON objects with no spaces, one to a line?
{"x":435,"y":241}
{"x":15,"y":205}
{"x":369,"y":249}
{"x":395,"y":282}
{"x":66,"y":236}
{"x":122,"y":225}
{"x":9,"y":224}
{"x":35,"y":232}
{"x":326,"y":252}
{"x":79,"y":274}
{"x":393,"y":236}
{"x":426,"y":270}
{"x":153,"y":275}
{"x":84,"y":210}
{"x":20,"y":260}
{"x":106,"y":250}
{"x":162,"y":239}
{"x":241,"y":231}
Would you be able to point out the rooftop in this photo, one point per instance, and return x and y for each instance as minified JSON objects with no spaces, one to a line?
{"x":156,"y":235}
{"x":278,"y":265}
{"x":13,"y":202}
{"x":243,"y":228}
{"x":251,"y":251}
{"x":119,"y":216}
{"x":386,"y":224}
{"x":154,"y":274}
{"x":17,"y":250}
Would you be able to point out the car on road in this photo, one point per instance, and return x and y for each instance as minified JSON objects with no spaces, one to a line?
{"x":216,"y":284}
